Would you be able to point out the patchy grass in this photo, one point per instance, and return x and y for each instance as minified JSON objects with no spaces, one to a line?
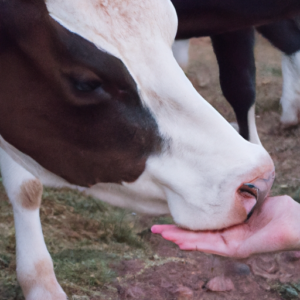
{"x":111,"y":224}
{"x":85,"y":237}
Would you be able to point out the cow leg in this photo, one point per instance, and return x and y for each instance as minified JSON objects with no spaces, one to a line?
{"x":234,"y":52}
{"x":285,"y":35}
{"x":34,"y":265}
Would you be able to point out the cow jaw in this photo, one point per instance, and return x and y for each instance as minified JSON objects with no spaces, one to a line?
{"x":204,"y":160}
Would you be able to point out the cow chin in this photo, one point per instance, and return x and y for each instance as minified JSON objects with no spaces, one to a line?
{"x":204,"y":217}
{"x":194,"y":218}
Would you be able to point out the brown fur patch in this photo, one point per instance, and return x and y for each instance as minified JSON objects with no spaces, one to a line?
{"x":31,"y":194}
{"x":44,"y":278}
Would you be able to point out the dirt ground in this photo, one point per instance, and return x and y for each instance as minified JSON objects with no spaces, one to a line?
{"x":102,"y":252}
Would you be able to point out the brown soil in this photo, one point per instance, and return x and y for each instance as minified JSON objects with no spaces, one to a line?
{"x":186,"y":275}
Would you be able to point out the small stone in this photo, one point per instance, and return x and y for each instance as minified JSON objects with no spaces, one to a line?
{"x":220,"y":284}
{"x":242,"y":269}
{"x":184,"y":293}
{"x":237,"y":268}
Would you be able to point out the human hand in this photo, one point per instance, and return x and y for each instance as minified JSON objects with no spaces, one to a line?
{"x":274,"y":226}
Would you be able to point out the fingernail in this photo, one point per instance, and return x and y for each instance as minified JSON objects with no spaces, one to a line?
{"x":154,"y":229}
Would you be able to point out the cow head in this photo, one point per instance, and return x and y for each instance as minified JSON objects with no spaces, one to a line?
{"x":91,"y":91}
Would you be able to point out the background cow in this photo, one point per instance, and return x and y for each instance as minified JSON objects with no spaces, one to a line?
{"x":234,"y":52}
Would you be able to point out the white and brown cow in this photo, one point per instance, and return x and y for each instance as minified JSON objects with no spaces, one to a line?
{"x":93,"y":99}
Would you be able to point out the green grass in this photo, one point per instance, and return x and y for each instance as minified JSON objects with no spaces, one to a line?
{"x":84,"y":267}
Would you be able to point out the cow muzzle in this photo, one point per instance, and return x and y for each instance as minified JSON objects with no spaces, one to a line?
{"x":255,"y":192}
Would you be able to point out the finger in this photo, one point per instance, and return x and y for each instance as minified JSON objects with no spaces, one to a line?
{"x":225,"y":242}
{"x":210,"y":242}
{"x":160,"y":228}
{"x":211,"y":249}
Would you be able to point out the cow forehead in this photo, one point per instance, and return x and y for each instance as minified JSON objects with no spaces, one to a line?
{"x":116,"y":25}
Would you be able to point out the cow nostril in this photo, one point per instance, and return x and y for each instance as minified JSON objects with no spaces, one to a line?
{"x":255,"y":192}
{"x":249,"y":188}
{"x":249,"y":196}
{"x":261,"y":186}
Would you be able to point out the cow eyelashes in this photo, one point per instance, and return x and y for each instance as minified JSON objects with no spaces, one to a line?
{"x":87,"y":91}
{"x":87,"y":86}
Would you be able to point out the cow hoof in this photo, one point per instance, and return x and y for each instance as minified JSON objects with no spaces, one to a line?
{"x":289,"y":120}
{"x":39,"y":294}
{"x":290,"y":111}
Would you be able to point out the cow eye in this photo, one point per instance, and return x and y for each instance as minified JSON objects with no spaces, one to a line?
{"x":87,"y":86}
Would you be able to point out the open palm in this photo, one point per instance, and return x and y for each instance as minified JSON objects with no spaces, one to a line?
{"x":273,"y":227}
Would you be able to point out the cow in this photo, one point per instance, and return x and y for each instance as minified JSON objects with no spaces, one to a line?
{"x":233,"y":45}
{"x":93,"y":99}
